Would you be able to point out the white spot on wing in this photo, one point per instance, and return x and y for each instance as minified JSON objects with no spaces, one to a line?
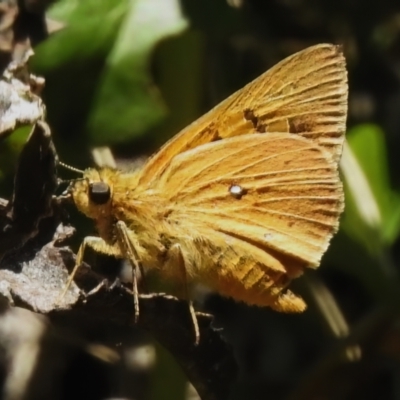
{"x":237,"y":191}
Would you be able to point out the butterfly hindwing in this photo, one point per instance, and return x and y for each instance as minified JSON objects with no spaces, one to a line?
{"x":278,"y":191}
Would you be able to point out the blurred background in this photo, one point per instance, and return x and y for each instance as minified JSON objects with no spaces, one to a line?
{"x":129,"y":74}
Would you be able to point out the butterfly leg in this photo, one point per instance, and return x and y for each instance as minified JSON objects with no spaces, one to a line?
{"x":97,"y":244}
{"x":176,"y":259}
{"x":129,"y":251}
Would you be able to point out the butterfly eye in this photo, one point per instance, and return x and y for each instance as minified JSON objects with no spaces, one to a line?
{"x":99,"y":193}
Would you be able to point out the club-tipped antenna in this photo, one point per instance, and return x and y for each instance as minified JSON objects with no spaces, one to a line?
{"x":66,"y":166}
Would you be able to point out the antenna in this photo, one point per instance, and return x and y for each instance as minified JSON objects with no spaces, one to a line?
{"x":61,"y":181}
{"x":66,"y":166}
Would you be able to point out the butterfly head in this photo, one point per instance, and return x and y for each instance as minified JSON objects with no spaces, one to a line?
{"x":92,"y":194}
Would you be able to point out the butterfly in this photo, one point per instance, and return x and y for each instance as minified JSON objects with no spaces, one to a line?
{"x":243,"y":199}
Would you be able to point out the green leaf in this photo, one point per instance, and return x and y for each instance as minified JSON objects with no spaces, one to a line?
{"x":127,"y":100}
{"x":372,"y":215}
{"x":97,"y":69}
{"x":9,"y":152}
{"x":91,"y":31}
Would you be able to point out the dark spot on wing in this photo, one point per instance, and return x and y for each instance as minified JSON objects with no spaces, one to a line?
{"x":216,"y":136}
{"x":250,"y":116}
{"x":262,"y":128}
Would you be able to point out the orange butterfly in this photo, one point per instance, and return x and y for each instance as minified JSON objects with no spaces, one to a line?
{"x":244,"y":198}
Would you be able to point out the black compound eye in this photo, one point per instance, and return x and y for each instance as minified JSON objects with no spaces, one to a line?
{"x":99,"y":193}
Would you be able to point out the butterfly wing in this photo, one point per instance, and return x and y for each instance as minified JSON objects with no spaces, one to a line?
{"x":305,"y":94}
{"x":275,"y":199}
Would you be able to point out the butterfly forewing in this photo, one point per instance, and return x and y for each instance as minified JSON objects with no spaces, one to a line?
{"x":305,"y":94}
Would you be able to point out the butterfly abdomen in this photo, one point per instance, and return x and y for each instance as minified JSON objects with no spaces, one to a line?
{"x":251,"y":283}
{"x":249,"y":274}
